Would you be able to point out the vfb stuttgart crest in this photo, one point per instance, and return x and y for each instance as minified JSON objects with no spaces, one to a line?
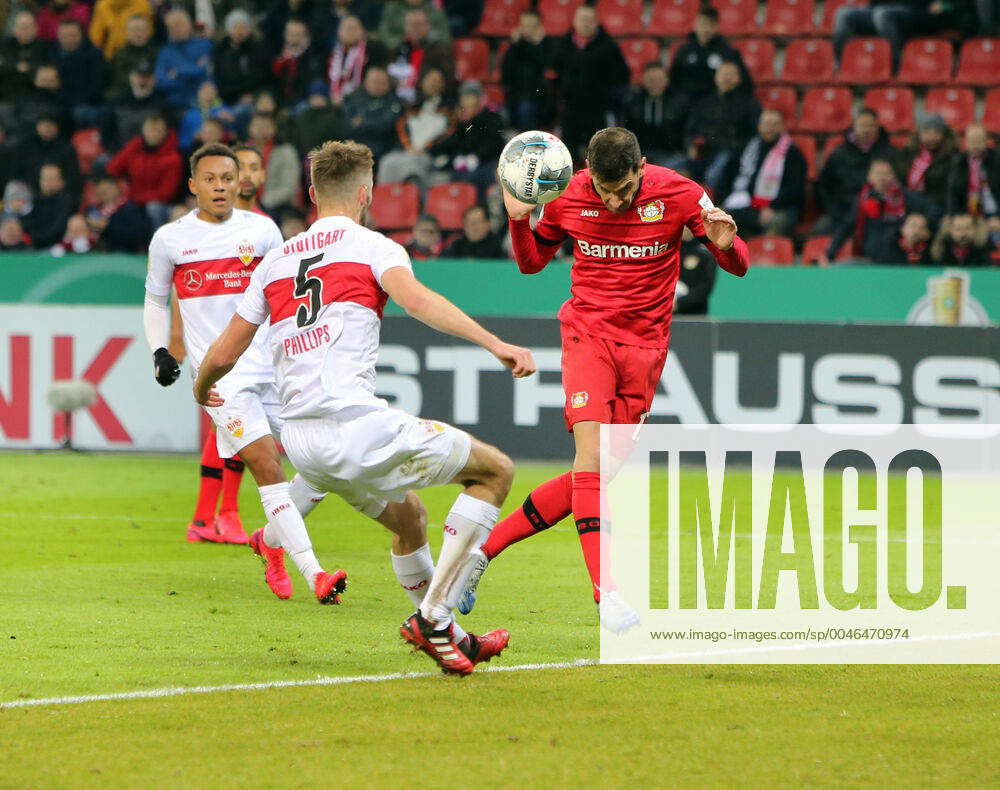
{"x":245,"y":252}
{"x":651,"y":212}
{"x":235,"y":427}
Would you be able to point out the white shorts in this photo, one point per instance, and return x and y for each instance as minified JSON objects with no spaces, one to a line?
{"x":250,"y":411}
{"x":376,"y":456}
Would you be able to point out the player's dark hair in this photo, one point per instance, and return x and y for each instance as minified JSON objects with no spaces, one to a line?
{"x":212,"y":149}
{"x":613,"y":154}
{"x":247,"y":147}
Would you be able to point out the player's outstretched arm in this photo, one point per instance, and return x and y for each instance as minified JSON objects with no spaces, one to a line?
{"x":431,"y":308}
{"x":531,"y":256}
{"x":221,"y":357}
{"x":729,"y":250}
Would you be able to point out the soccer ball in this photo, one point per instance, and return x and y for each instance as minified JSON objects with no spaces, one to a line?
{"x":535,"y":167}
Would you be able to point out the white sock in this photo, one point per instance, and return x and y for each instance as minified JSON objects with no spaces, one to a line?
{"x":287,"y":522}
{"x":304,"y":497}
{"x":414,"y":572}
{"x":466,"y":527}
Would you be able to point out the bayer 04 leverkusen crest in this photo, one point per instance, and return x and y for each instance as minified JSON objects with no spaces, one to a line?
{"x":651,"y":212}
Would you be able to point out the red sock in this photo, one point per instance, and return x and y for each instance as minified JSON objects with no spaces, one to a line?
{"x":548,"y":504}
{"x":587,"y":513}
{"x":211,"y":481}
{"x":232,"y":476}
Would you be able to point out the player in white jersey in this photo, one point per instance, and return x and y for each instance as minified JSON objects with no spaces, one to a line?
{"x":324,"y":291}
{"x":209,"y":256}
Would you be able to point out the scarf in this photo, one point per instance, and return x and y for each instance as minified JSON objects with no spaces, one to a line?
{"x":345,"y":69}
{"x":913,"y":252}
{"x":872,"y":205}
{"x":768,"y":181}
{"x":915,"y":180}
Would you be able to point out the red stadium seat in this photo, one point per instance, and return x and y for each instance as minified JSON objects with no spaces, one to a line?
{"x":771,"y":251}
{"x":991,"y":111}
{"x":500,"y":17}
{"x":926,"y":61}
{"x":808,"y":61}
{"x":673,"y":17}
{"x":638,"y":52}
{"x":865,"y":61}
{"x":758,"y":55}
{"x":737,"y":17}
{"x":620,"y":17}
{"x":830,"y":8}
{"x":825,"y":110}
{"x":557,"y":15}
{"x":781,"y":99}
{"x":87,"y":144}
{"x":815,"y":248}
{"x":472,"y":59}
{"x":498,"y":61}
{"x":978,"y":62}
{"x":807,"y":145}
{"x":956,"y":105}
{"x":789,"y":18}
{"x":395,"y":206}
{"x":447,"y":202}
{"x":894,"y":107}
{"x":403,"y":237}
{"x":495,"y":98}
{"x":831,"y":142}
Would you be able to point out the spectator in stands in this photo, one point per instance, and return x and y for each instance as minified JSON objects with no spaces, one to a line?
{"x":118,"y":223}
{"x":427,"y":241}
{"x":394,"y":28}
{"x":418,"y":129}
{"x":591,"y":78}
{"x":281,"y":162}
{"x":20,"y":55}
{"x":877,"y":215}
{"x":110,"y":22}
{"x":524,"y":72}
{"x":353,"y":53}
{"x":478,"y":239}
{"x":719,"y":125}
{"x":314,"y":13}
{"x":371,"y":113}
{"x":184,"y":62}
{"x":139,"y":48}
{"x":961,"y":242}
{"x":12,"y":235}
{"x":78,"y":238}
{"x":44,"y":99}
{"x":697,"y":277}
{"x":82,"y":74}
{"x":153,"y":166}
{"x":53,"y":13}
{"x":474,"y":142}
{"x":417,"y":54}
{"x":51,"y":210}
{"x":17,"y":200}
{"x":212,"y":131}
{"x":912,"y":246}
{"x":692,"y":71}
{"x":242,"y":64}
{"x":292,"y":224}
{"x":132,"y":106}
{"x":974,"y":181}
{"x":207,"y":104}
{"x":298,"y":65}
{"x":317,"y":122}
{"x":8,"y":159}
{"x":656,"y":115}
{"x":765,"y":186}
{"x":48,"y":146}
{"x":844,"y":173}
{"x":927,"y":160}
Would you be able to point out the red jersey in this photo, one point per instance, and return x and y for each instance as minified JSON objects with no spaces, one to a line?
{"x":625,"y":266}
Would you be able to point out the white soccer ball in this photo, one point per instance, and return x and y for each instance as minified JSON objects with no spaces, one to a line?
{"x":535,"y":167}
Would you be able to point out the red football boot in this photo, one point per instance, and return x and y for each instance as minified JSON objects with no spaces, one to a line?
{"x":230,"y":528}
{"x":482,"y":648}
{"x":329,"y":586}
{"x":203,"y":531}
{"x":274,"y":565}
{"x":438,"y":644}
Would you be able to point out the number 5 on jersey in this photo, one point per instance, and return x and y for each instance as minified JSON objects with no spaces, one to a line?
{"x":312,"y":287}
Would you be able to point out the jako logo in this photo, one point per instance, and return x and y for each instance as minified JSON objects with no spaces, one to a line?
{"x":590,"y":212}
{"x":450,"y":530}
{"x":417,"y":586}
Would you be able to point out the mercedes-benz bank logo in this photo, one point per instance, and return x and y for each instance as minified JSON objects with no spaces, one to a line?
{"x":192,"y":279}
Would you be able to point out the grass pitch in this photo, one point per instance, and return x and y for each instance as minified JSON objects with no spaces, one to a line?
{"x":99,"y":593}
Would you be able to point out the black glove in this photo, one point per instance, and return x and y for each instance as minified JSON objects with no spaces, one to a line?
{"x":165,"y":367}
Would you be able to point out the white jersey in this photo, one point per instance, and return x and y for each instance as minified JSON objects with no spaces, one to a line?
{"x":210,"y":265}
{"x":323,"y":292}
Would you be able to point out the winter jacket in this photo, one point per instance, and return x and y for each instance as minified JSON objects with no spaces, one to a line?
{"x":697,"y":276}
{"x":974,"y":255}
{"x":591,"y":80}
{"x":390,"y":31}
{"x":958,"y":181}
{"x":879,"y":234}
{"x":692,"y":71}
{"x":46,"y":223}
{"x":124,"y":121}
{"x":936,"y":177}
{"x":48,"y":18}
{"x":481,"y":136}
{"x":154,"y":174}
{"x":524,"y":73}
{"x":107,"y":26}
{"x":293,"y":76}
{"x":372,"y":120}
{"x":845,"y":172}
{"x":722,"y":122}
{"x":658,"y":121}
{"x":16,"y":83}
{"x":126,"y":59}
{"x":35,"y":152}
{"x":181,"y":67}
{"x":82,"y":74}
{"x":489,"y":247}
{"x":314,"y":126}
{"x":792,"y":191}
{"x":241,"y":68}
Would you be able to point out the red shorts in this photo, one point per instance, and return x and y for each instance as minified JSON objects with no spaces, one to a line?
{"x":605,"y":381}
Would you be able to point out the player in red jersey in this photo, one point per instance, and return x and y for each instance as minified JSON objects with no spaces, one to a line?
{"x":626,"y":219}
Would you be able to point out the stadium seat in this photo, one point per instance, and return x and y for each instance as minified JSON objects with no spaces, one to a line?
{"x":926,"y":61}
{"x":815,"y":248}
{"x":495,"y":98}
{"x":956,"y":105}
{"x":865,"y":61}
{"x":758,"y":55}
{"x":498,"y":61}
{"x":780,"y":98}
{"x":447,"y":202}
{"x":830,"y":8}
{"x":87,"y":144}
{"x":808,"y":61}
{"x":894,"y":107}
{"x":825,"y":110}
{"x":557,"y":15}
{"x":737,"y":17}
{"x":771,"y":251}
{"x":978,"y":62}
{"x":673,"y":17}
{"x":500,"y":17}
{"x":403,"y":237}
{"x":806,"y":143}
{"x":991,"y":111}
{"x":395,"y":206}
{"x":620,"y":17}
{"x":472,"y":59}
{"x":638,"y":52}
{"x":789,"y":17}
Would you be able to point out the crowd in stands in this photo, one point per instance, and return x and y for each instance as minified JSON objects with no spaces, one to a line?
{"x":842,"y":129}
